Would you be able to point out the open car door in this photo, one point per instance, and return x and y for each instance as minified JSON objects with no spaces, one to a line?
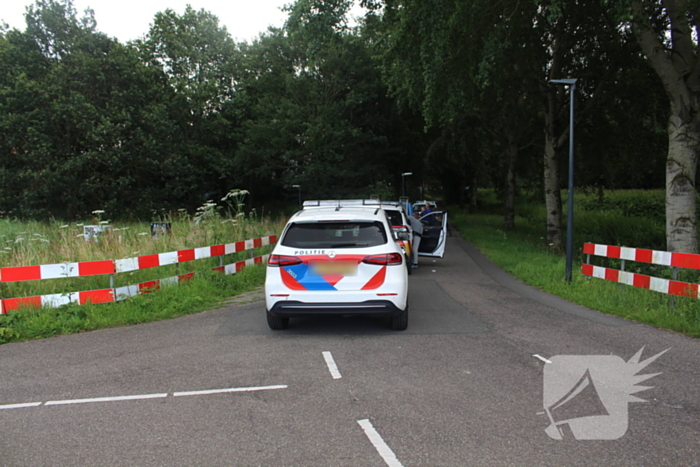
{"x":434,"y":234}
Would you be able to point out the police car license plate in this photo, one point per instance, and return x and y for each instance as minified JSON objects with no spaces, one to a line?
{"x":334,"y":268}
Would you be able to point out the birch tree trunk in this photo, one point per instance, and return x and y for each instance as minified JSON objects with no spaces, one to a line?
{"x":681,"y":167}
{"x":678,"y":67}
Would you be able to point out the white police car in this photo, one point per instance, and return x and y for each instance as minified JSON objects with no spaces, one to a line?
{"x":337,"y":257}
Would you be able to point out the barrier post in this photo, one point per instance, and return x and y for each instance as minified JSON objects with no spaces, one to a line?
{"x":674,"y":275}
{"x":622,"y":268}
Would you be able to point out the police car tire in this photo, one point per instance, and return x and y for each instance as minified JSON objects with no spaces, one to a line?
{"x":400,"y":321}
{"x":276,"y":323}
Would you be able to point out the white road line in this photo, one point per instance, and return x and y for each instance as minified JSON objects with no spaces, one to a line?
{"x":20,"y":406}
{"x":139,"y":397}
{"x":379,"y":444}
{"x":332,"y":367}
{"x":107,"y":399}
{"x":540,"y":357}
{"x":220,"y":391}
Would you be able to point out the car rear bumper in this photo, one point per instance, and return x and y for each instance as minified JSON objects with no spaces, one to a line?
{"x":289,"y":308}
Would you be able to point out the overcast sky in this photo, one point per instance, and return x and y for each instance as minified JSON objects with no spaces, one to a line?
{"x":130,"y":19}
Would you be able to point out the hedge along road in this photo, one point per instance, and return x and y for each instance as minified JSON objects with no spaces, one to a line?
{"x":463,"y":386}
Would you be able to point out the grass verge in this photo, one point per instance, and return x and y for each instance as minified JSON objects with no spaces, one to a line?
{"x":522,"y":253}
{"x":204,"y":292}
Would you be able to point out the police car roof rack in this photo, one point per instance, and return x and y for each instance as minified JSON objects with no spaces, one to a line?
{"x":339,"y":203}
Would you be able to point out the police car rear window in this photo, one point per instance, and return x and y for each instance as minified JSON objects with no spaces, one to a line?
{"x":335,"y":235}
{"x":394,"y":217}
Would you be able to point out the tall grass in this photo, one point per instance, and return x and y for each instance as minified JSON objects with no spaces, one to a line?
{"x":35,"y":243}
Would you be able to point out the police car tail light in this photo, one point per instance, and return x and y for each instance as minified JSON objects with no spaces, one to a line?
{"x":283,"y":260}
{"x":390,"y":259}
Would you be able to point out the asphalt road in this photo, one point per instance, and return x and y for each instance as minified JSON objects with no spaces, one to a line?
{"x":461,"y":387}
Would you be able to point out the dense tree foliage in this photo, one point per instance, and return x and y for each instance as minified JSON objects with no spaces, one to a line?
{"x":455,"y":91}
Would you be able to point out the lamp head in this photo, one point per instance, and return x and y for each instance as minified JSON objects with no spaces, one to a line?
{"x":568,"y":82}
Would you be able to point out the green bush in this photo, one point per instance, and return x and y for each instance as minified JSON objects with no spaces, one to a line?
{"x":629,"y":203}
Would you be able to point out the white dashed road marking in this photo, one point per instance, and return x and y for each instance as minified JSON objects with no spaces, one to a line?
{"x":540,"y":357}
{"x":220,"y":391}
{"x":332,"y":367}
{"x":379,"y":444}
{"x":20,"y":406}
{"x":107,"y":399}
{"x":141,"y":396}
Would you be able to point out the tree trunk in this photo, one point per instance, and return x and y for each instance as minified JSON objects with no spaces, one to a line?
{"x":552,"y":191}
{"x":681,"y":166}
{"x":679,"y":72}
{"x":509,"y":207}
{"x":473,"y":195}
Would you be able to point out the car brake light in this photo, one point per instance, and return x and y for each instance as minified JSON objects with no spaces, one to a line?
{"x":390,"y":259}
{"x":282,"y":260}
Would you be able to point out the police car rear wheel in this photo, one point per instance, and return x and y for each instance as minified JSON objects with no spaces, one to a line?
{"x":400,"y":321}
{"x":276,"y":323}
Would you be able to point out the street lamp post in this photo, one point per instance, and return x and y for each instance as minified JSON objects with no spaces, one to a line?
{"x":570,"y":217}
{"x":403,"y":183}
{"x":299,"y":188}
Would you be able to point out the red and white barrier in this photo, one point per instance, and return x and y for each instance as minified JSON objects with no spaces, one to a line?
{"x":657,"y":284}
{"x":117,"y":294}
{"x":56,"y":271}
{"x":91,"y":268}
{"x":663,"y":258}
